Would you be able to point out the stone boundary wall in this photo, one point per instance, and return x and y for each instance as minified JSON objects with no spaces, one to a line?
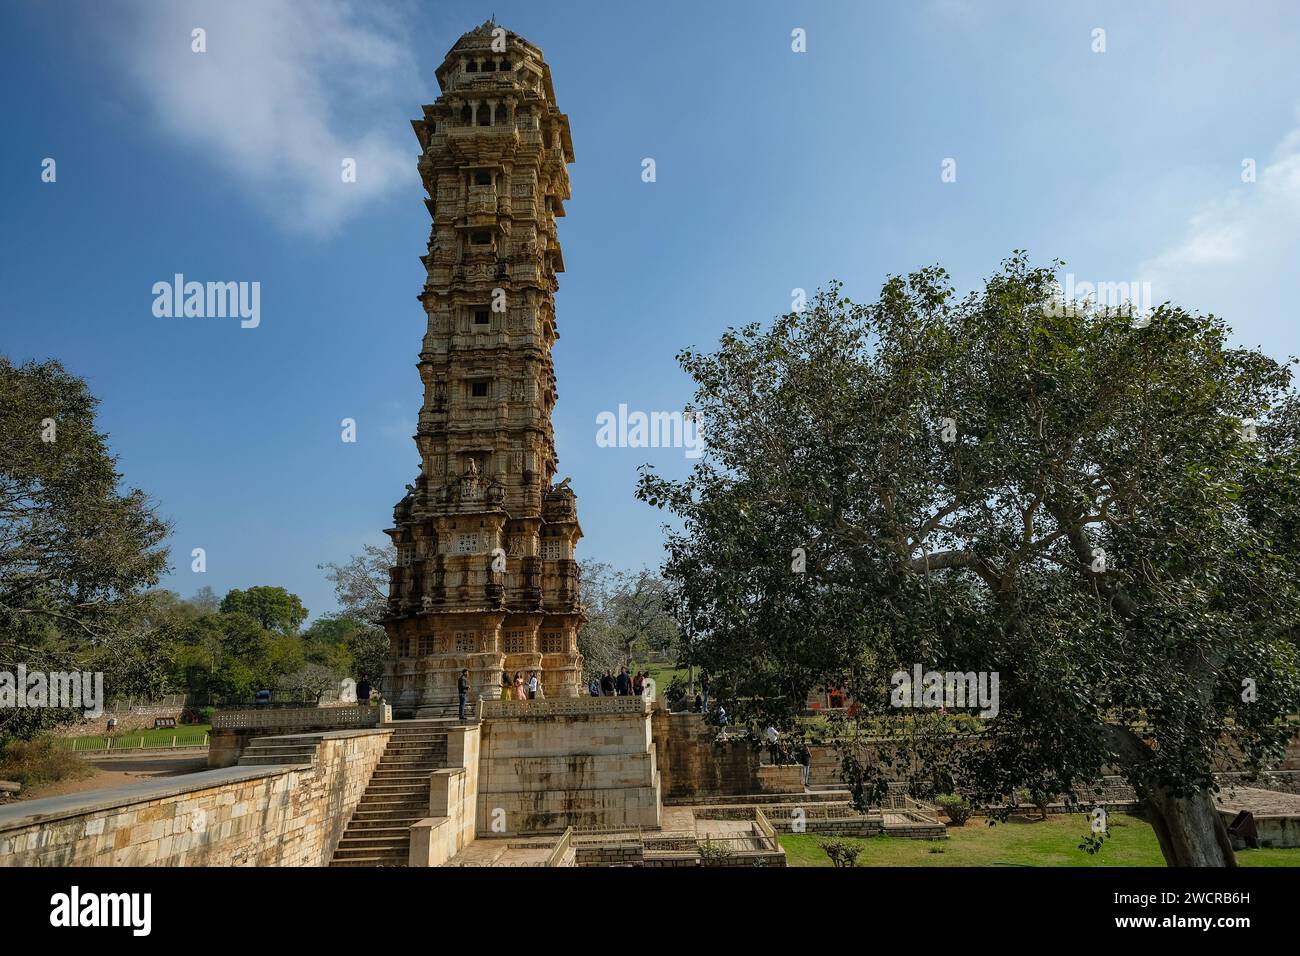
{"x":238,"y":816}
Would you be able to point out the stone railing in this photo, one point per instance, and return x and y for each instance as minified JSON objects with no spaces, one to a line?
{"x":561,"y":850}
{"x":766,"y":830}
{"x":276,"y":718}
{"x":565,"y":707}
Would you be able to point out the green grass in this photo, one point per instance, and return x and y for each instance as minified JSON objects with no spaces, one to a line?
{"x":663,"y":674}
{"x":1018,"y":842}
{"x":131,"y":738}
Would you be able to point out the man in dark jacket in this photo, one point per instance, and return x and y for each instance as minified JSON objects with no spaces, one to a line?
{"x":624,"y":684}
{"x":462,"y":689}
{"x":607,"y":685}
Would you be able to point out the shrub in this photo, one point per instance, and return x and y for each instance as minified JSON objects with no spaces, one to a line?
{"x":36,"y":762}
{"x":714,"y":852}
{"x":1036,"y":799}
{"x":841,"y":853}
{"x":676,"y":692}
{"x":956,"y":808}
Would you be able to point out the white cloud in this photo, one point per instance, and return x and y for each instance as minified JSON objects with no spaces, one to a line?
{"x":285,"y":92}
{"x":1237,"y":255}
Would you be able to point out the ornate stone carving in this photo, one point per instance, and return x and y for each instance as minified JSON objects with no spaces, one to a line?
{"x":495,"y":199}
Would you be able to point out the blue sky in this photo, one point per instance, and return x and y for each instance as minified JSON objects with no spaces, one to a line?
{"x":775,"y":170}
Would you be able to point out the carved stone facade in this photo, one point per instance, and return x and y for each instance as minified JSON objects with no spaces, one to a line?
{"x":486,"y":577}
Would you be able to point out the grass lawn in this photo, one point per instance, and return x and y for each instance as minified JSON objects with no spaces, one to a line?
{"x":663,"y":675}
{"x":156,"y":738}
{"x":1018,"y":842}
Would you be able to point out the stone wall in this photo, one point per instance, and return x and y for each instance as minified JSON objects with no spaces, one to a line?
{"x":453,"y":800}
{"x":694,"y":763}
{"x":585,"y":762}
{"x":237,"y":816}
{"x":233,"y":729}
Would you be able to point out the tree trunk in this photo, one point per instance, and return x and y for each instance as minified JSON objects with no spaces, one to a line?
{"x":1191,"y":830}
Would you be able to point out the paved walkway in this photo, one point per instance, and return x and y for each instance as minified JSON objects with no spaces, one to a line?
{"x":497,"y":851}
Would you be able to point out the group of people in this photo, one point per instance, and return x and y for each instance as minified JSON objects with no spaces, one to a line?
{"x":517,"y":688}
{"x":624,"y":685}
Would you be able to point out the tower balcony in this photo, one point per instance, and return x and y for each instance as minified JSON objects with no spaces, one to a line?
{"x":481,"y":144}
{"x":482,"y":201}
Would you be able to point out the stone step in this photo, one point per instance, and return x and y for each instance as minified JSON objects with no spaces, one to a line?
{"x":403,"y":820}
{"x":392,"y":860}
{"x":376,"y":857}
{"x":381,"y":804}
{"x":264,"y":760}
{"x":390,"y":820}
{"x":376,"y":838}
{"x":363,"y":847}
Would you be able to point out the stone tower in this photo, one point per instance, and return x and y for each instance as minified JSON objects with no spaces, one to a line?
{"x":486,"y":577}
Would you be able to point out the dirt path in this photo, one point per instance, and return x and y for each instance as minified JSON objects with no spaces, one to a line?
{"x":109,"y":776}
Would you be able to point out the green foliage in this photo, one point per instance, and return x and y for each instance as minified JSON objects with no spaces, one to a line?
{"x":956,"y":808}
{"x":1073,"y":432}
{"x":273,"y":608}
{"x":76,"y":553}
{"x":37,"y":762}
{"x":714,"y":852}
{"x":842,"y":854}
{"x":676,"y":692}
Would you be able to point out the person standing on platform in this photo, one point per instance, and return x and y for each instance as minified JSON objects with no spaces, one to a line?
{"x":462,"y":690}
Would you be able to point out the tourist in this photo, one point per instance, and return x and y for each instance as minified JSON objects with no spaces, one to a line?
{"x":462,"y":690}
{"x":704,"y":689}
{"x":805,"y":758}
{"x":699,"y":704}
{"x":773,"y":736}
{"x":507,"y":685}
{"x":363,"y":691}
{"x":593,"y":687}
{"x":607,"y":685}
{"x":263,"y":698}
{"x":637,"y":684}
{"x":520,"y":693}
{"x":532,"y":685}
{"x":623,"y":684}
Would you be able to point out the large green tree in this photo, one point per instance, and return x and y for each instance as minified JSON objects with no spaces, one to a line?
{"x":1098,"y":507}
{"x":77,"y":551}
{"x":274,"y":608}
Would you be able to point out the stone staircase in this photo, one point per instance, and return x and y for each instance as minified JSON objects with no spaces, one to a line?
{"x":263,"y":751}
{"x":379,"y":832}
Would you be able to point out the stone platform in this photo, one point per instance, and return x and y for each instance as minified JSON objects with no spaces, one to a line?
{"x":582,"y":762}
